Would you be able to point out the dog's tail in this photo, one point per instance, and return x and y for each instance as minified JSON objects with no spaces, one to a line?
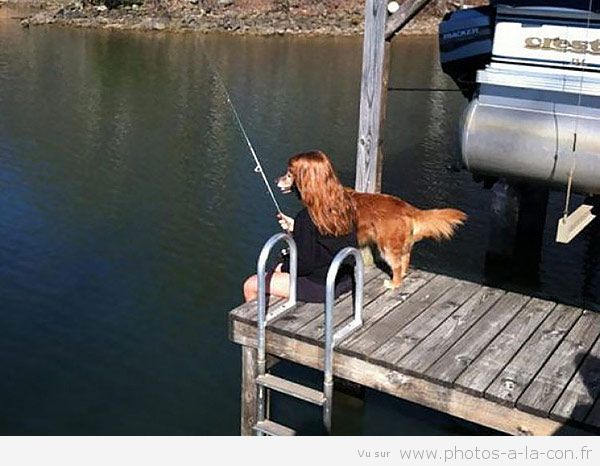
{"x":437,"y":224}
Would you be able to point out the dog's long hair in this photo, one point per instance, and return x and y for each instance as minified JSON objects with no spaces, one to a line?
{"x":387,"y":221}
{"x":329,"y":205}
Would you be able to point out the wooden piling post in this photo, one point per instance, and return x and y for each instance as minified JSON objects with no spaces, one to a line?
{"x":249,"y":392}
{"x":379,"y":30}
{"x":373,"y":97}
{"x":373,"y":94}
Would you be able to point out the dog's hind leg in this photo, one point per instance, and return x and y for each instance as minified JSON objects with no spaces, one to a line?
{"x":404,"y":263}
{"x":393,"y":257}
{"x":399,"y":265}
{"x":398,"y":259}
{"x":395,"y":244}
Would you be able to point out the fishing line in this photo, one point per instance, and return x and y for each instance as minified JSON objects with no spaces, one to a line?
{"x":258,"y":168}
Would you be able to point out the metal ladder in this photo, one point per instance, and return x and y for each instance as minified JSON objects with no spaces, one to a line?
{"x":265,"y":381}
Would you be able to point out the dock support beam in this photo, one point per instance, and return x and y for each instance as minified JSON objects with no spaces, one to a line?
{"x":408,"y":9}
{"x":373,"y":98}
{"x":373,"y":95}
{"x":379,"y":31}
{"x":249,"y":392}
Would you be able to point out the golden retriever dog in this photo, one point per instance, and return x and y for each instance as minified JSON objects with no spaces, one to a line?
{"x":388,"y":222}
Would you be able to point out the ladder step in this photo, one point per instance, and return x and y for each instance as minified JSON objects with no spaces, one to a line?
{"x":291,"y":388}
{"x":272,"y":428}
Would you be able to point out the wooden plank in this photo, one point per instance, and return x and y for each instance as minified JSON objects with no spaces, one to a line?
{"x":423,"y":392}
{"x":411,"y":335}
{"x":372,"y":95}
{"x":290,"y":322}
{"x":442,"y":338}
{"x":484,"y":369}
{"x":315,"y":329}
{"x":249,"y":392}
{"x":387,"y":302}
{"x":248,"y":312}
{"x":371,"y":308}
{"x":516,"y":376}
{"x":385,"y":80}
{"x":302,"y":392}
{"x":408,"y":10}
{"x":299,"y":316}
{"x":549,"y":383}
{"x":272,"y":428}
{"x":569,"y":227}
{"x":581,"y":392}
{"x":452,"y":363}
{"x":395,"y":315}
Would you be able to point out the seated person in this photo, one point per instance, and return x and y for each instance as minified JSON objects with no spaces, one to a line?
{"x":324,"y":227}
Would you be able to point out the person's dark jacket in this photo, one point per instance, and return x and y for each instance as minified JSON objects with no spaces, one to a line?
{"x":316,"y":251}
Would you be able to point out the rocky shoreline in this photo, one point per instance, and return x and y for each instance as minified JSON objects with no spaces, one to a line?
{"x":192,"y":15}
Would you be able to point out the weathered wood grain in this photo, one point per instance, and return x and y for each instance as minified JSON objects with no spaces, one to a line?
{"x":378,"y":304}
{"x":410,"y":336}
{"x":249,"y":391}
{"x":451,"y":364}
{"x":408,"y":9}
{"x":484,"y":369}
{"x":372,"y":95}
{"x":580,"y":394}
{"x":395,"y":383}
{"x":292,"y":321}
{"x":397,"y":315}
{"x":248,"y":312}
{"x":390,"y":299}
{"x":516,"y":376}
{"x":442,"y":338}
{"x":549,"y":383}
{"x":314,"y":329}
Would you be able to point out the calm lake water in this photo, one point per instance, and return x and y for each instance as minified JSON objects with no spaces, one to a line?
{"x":130,"y":215}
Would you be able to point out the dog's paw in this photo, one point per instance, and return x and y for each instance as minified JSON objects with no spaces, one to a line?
{"x":388,"y":284}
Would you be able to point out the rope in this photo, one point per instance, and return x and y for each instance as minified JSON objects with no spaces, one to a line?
{"x":577,"y":117}
{"x":258,"y":168}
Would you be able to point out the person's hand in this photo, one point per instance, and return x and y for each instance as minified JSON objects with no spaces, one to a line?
{"x":286,"y":223}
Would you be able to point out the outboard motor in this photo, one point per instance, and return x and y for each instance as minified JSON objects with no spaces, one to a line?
{"x":466,"y":38}
{"x":533,"y":84}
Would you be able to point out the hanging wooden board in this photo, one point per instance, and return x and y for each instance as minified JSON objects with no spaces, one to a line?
{"x":571,"y":226}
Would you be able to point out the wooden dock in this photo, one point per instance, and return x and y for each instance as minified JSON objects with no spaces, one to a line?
{"x":521,"y":365}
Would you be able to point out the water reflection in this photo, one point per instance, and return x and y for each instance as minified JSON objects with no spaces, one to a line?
{"x":130,"y":213}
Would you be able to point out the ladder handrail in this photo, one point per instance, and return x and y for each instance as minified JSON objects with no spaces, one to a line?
{"x":262,"y":285}
{"x":330,"y":338}
{"x":263,"y":319}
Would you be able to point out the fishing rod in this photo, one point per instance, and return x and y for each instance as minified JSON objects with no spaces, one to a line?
{"x":258,"y":168}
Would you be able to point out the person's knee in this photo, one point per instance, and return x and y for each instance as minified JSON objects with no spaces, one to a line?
{"x":279,"y":285}
{"x":250,"y":286}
